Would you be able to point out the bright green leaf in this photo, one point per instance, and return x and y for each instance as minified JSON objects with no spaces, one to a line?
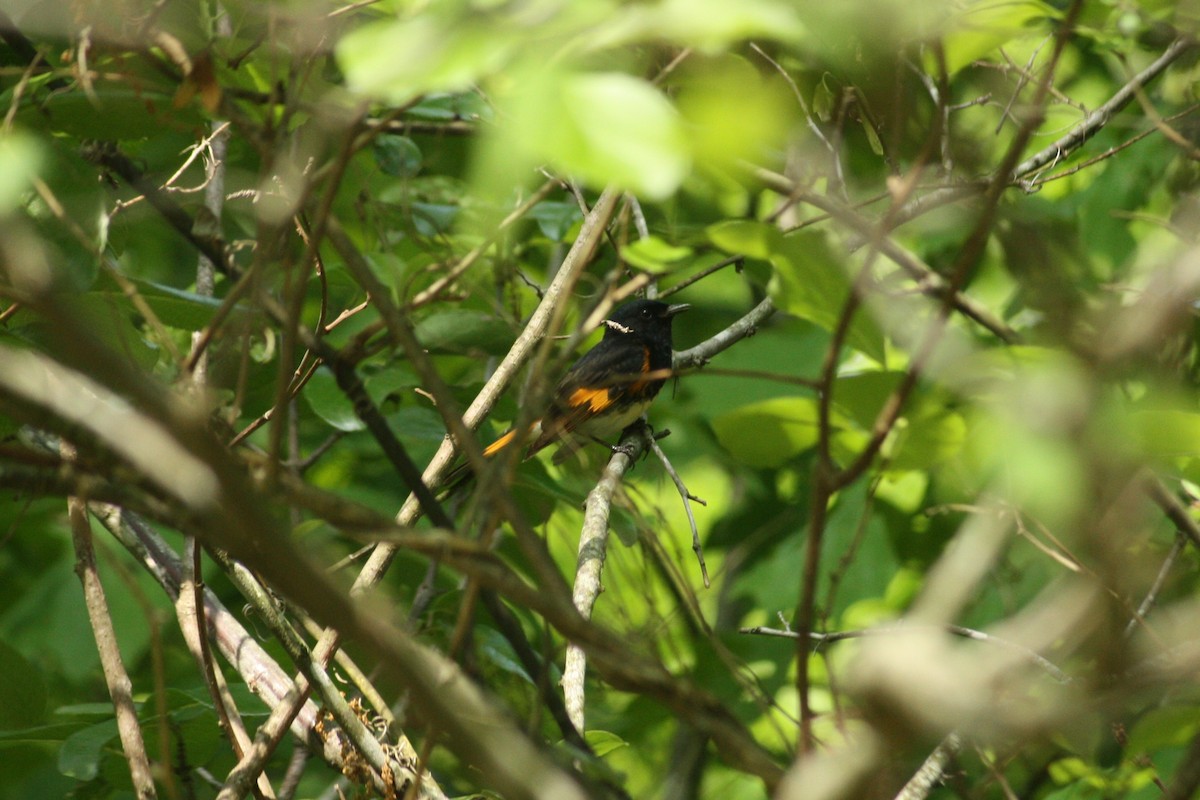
{"x":1166,"y":433}
{"x":705,"y":24}
{"x":604,"y":742}
{"x":604,"y":128}
{"x":745,"y":237}
{"x":928,"y":441}
{"x":20,"y":159}
{"x":810,"y":282}
{"x":980,"y":28}
{"x":769,"y":433}
{"x":1168,"y":726}
{"x":398,"y":60}
{"x":653,"y":254}
{"x":732,"y":111}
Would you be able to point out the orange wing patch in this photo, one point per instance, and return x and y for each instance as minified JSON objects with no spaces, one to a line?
{"x":499,"y":444}
{"x":596,"y":400}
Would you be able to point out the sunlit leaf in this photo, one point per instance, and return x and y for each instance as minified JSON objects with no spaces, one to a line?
{"x":732,"y":111}
{"x":810,"y":281}
{"x":745,"y":237}
{"x":400,"y":59}
{"x":653,"y":254}
{"x":768,"y":433}
{"x":604,"y":128}
{"x":604,"y":742}
{"x":706,"y":24}
{"x":20,"y":159}
{"x":979,"y":28}
{"x":1167,"y":432}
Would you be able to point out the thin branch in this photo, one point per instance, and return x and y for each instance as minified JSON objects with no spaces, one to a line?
{"x":1096,"y":120}
{"x":1160,"y":580}
{"x":687,"y":498}
{"x":120,"y":688}
{"x":449,"y":276}
{"x":1172,"y":508}
{"x":593,"y":546}
{"x":930,"y":774}
{"x":745,"y":327}
{"x":883,"y":630}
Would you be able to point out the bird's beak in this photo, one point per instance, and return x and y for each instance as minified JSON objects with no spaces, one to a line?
{"x":678,"y":308}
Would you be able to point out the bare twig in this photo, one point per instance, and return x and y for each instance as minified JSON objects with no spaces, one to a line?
{"x":1096,"y":120}
{"x":120,"y":688}
{"x":687,"y":498}
{"x":593,"y":545}
{"x":927,"y":777}
{"x":1159,"y":581}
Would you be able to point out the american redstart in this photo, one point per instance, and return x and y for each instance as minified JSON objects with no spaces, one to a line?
{"x":609,"y":387}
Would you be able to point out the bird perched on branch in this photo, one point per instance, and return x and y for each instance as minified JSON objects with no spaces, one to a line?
{"x":609,"y":387}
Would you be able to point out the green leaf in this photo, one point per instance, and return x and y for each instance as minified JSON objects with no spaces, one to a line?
{"x":810,"y":282}
{"x":709,"y":25}
{"x":433,"y":219}
{"x":604,"y":742}
{"x":22,"y":691}
{"x":462,"y":331}
{"x":733,"y":112}
{"x":174,"y":307}
{"x":1169,"y":726}
{"x":496,"y":651}
{"x":979,"y":29}
{"x":81,"y":753}
{"x":603,"y":128}
{"x":1165,"y":433}
{"x":398,"y":60}
{"x":744,"y":237}
{"x":398,"y":156}
{"x":387,"y":384}
{"x":112,"y":113}
{"x":330,"y":402}
{"x":862,"y":396}
{"x":653,"y":254}
{"x":872,"y":138}
{"x":926,"y":441}
{"x":769,"y":433}
{"x":418,"y":423}
{"x":20,"y":160}
{"x":555,"y":220}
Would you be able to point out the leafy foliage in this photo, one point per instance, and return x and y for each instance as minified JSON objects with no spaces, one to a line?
{"x":937,"y":392}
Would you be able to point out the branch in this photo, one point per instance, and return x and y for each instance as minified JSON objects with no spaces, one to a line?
{"x":1096,"y":120}
{"x":687,"y":498}
{"x":967,"y":633}
{"x":922,"y":782}
{"x":745,"y":327}
{"x":120,"y":689}
{"x":593,"y":545}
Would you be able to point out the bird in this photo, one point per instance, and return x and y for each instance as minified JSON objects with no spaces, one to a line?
{"x":608,"y":388}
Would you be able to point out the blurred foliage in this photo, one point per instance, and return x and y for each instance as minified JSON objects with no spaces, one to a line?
{"x":1040,"y":369}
